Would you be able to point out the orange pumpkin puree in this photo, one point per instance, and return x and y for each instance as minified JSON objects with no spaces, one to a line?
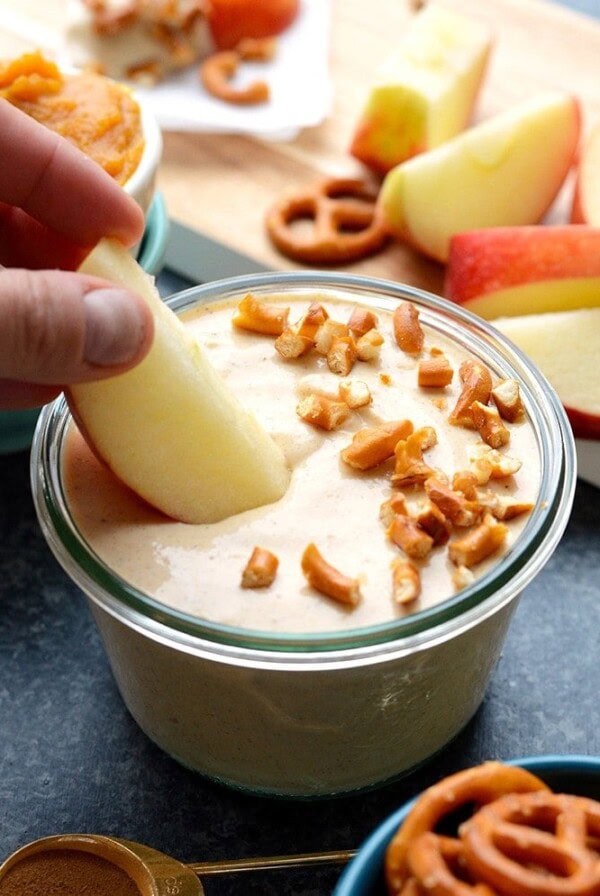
{"x":98,"y":115}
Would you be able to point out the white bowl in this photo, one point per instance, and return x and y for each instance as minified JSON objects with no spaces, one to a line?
{"x":142,"y":183}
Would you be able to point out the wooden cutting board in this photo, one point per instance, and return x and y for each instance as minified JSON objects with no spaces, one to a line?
{"x":223,"y":185}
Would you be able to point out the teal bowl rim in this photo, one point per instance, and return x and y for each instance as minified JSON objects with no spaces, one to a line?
{"x":154,"y":242}
{"x":17,"y":427}
{"x":363,"y":875}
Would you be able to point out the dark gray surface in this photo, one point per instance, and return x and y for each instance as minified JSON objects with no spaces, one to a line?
{"x":72,"y":759}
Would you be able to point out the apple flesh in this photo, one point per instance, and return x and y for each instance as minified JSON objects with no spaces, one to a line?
{"x":424,"y":92}
{"x":586,"y":192}
{"x":565,"y":345}
{"x":505,"y":171}
{"x":170,"y":428}
{"x":507,"y":271}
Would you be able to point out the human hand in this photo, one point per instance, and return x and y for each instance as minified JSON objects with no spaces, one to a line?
{"x":58,"y":326}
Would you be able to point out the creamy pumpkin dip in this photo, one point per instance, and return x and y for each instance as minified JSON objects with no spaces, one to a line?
{"x":414,"y":468}
{"x":100,"y":116}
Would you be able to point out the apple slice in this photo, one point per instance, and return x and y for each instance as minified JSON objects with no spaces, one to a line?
{"x":565,"y":345}
{"x":425,"y":91}
{"x":505,"y":171}
{"x":586,"y":192}
{"x":505,"y":271}
{"x":170,"y":428}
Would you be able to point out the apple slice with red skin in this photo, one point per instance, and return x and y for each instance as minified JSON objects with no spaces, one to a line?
{"x":586,"y":192}
{"x":232,"y":20}
{"x":424,"y":91}
{"x":565,"y":345}
{"x":507,"y":271}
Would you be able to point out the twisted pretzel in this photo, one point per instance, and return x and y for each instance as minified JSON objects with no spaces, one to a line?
{"x":345,"y":226}
{"x":438,"y":863}
{"x":480,"y":785}
{"x":535,"y":844}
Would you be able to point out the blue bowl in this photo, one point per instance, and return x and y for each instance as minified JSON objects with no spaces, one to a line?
{"x":154,"y":242}
{"x":16,"y":427}
{"x":564,"y":774}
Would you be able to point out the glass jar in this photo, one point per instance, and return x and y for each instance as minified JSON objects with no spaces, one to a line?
{"x":316,"y":714}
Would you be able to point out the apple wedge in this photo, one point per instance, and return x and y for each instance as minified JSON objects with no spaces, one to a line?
{"x":424,"y":92}
{"x":565,"y":345}
{"x":586,"y":192}
{"x":507,"y":271}
{"x":170,"y":428}
{"x":505,"y":171}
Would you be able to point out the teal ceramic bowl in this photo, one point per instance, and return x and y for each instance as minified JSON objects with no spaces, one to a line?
{"x":564,"y":774}
{"x":16,"y":427}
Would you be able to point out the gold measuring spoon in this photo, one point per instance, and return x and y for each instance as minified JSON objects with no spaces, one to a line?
{"x":67,"y":863}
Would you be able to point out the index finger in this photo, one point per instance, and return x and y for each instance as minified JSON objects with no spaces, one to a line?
{"x":58,"y":185}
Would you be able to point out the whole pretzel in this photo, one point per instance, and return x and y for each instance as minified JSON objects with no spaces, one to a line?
{"x":480,"y":785}
{"x":345,"y":226}
{"x":535,"y":844}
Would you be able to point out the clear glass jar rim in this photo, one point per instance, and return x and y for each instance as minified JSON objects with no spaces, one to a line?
{"x":506,"y":578}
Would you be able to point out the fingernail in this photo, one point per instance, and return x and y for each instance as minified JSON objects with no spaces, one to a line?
{"x":114,"y":327}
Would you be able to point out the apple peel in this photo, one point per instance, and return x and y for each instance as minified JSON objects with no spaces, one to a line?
{"x":509,"y":271}
{"x":170,"y":428}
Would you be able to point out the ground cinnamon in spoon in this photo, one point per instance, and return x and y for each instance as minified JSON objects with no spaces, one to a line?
{"x":66,"y":872}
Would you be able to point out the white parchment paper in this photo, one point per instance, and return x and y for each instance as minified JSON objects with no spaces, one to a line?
{"x":301,"y":90}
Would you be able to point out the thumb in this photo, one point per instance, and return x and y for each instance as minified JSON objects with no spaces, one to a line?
{"x":61,"y":327}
